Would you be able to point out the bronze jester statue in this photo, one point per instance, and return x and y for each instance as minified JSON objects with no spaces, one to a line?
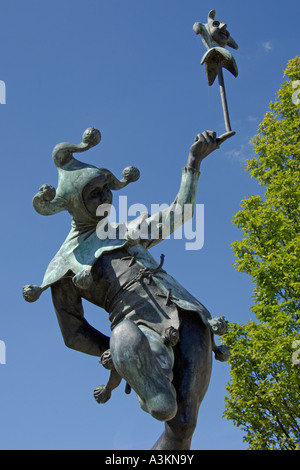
{"x":162,"y":338}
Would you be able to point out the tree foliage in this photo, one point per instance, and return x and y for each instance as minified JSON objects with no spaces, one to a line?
{"x":264,"y":391}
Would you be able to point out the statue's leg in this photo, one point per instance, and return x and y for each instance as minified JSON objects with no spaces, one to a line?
{"x":137,"y":364}
{"x":192,"y":371}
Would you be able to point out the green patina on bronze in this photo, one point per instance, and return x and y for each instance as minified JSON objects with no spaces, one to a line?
{"x":216,"y":37}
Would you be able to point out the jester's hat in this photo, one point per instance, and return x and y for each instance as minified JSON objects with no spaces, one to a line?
{"x":73,"y":176}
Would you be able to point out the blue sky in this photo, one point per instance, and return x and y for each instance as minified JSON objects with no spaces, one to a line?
{"x":131,"y":69}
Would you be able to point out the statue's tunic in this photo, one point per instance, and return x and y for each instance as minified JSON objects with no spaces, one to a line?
{"x":125,"y":288}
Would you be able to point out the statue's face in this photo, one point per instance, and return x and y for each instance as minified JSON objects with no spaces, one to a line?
{"x":218,"y":32}
{"x":95,"y":194}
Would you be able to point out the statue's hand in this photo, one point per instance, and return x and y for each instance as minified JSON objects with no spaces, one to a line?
{"x":46,"y":192}
{"x":207,"y":142}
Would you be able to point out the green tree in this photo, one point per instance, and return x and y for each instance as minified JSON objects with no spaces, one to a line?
{"x":264,"y":390}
